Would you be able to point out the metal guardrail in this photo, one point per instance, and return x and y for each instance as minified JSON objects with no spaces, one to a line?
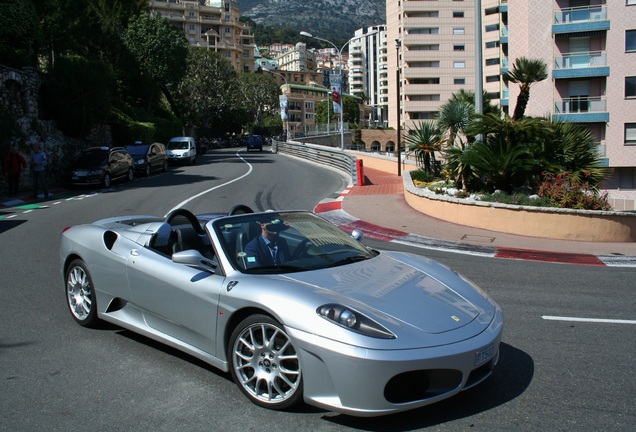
{"x":322,"y":155}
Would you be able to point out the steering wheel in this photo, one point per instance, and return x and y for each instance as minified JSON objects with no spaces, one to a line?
{"x":301,"y":249}
{"x":240,"y":209}
{"x":189,"y":216}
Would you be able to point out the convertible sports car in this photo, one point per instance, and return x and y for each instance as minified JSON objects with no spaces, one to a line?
{"x":310,"y":314}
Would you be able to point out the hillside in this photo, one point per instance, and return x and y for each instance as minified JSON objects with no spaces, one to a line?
{"x":328,"y":19}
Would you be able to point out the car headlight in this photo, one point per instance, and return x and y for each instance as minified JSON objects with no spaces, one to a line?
{"x":140,"y":162}
{"x":353,"y":320}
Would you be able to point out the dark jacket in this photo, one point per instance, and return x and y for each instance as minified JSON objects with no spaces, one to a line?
{"x":259,"y":254}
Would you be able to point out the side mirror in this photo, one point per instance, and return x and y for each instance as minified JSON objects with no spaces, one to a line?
{"x":194,"y":258}
{"x":357,"y":235}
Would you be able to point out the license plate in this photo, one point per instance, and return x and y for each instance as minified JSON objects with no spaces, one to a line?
{"x":484,"y":355}
{"x":75,"y":178}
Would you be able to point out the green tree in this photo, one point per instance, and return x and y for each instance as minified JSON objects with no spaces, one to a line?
{"x":78,"y":94}
{"x":453,"y":118}
{"x":260,"y":94}
{"x":19,"y":33}
{"x":424,"y":140}
{"x":526,"y":72}
{"x":160,"y":52}
{"x":209,"y":94}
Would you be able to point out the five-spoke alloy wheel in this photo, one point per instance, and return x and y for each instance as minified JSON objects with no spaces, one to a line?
{"x":265,"y":364}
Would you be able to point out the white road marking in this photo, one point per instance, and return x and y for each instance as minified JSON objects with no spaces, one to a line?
{"x":592,"y":320}
{"x":181,"y":204}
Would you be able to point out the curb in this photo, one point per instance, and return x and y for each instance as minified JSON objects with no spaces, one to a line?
{"x":332,"y":211}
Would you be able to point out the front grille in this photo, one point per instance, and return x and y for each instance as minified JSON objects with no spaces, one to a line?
{"x":422,"y":384}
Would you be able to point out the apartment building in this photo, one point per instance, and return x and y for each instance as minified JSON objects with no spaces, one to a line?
{"x":368,"y":74}
{"x":588,"y":45}
{"x":298,"y":59}
{"x":590,"y":49}
{"x":213,"y":25}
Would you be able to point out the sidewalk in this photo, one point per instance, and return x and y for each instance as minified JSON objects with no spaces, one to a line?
{"x":380,"y":211}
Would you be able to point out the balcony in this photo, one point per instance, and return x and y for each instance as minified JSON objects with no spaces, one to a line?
{"x":503,"y":35}
{"x":581,"y":109}
{"x":580,"y":19}
{"x":581,"y":65}
{"x":503,"y":66}
{"x":504,"y":97}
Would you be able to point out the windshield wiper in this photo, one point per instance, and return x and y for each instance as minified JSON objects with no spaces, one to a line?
{"x":273,"y":269}
{"x":349,"y":260}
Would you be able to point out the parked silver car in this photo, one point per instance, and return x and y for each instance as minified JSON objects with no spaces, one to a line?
{"x":292,"y":306}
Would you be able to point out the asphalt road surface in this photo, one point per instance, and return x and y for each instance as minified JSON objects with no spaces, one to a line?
{"x":554,"y":374}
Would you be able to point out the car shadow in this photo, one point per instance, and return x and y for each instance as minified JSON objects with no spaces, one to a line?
{"x":510,"y":379}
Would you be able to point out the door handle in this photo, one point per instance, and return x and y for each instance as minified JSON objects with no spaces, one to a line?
{"x":134,"y":252}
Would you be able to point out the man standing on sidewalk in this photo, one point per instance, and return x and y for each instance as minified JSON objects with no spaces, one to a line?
{"x":13,"y":165}
{"x":39,"y":160}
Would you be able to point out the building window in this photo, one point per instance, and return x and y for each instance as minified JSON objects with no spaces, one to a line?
{"x":459,"y":81}
{"x":458,"y":31}
{"x":626,"y":178}
{"x":459,"y":47}
{"x":492,"y":28}
{"x":630,"y":2}
{"x":492,"y":78}
{"x":492,"y":61}
{"x":630,"y":134}
{"x":630,"y":87}
{"x":630,"y":40}
{"x":459,"y":64}
{"x":458,"y":14}
{"x":494,"y":44}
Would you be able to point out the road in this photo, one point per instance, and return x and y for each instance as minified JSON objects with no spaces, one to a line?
{"x":56,"y":376}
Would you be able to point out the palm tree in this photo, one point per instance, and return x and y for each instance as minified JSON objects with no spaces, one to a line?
{"x":424,"y":140}
{"x":526,"y":72}
{"x":454,"y":117}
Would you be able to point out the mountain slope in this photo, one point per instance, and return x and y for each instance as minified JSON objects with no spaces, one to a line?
{"x":323,"y":18}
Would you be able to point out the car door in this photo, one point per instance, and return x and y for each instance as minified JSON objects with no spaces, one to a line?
{"x":177,"y":300}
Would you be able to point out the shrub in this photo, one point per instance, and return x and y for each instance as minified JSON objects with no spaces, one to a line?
{"x":422,"y":176}
{"x":563,"y":191}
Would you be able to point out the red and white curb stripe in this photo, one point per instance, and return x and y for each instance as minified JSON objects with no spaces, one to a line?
{"x":332,"y":211}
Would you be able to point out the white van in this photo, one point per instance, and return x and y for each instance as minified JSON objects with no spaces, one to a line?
{"x":182,"y":150}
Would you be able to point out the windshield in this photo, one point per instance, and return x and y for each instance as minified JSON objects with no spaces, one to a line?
{"x":283,"y":242}
{"x":178,"y":145}
{"x":91,"y":158}
{"x":138,"y":150}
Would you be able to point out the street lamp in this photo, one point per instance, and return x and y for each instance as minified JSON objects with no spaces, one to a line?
{"x":398,"y":44}
{"x":309,"y":35}
{"x":286,"y":83}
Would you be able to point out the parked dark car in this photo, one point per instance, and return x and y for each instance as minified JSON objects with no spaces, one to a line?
{"x":149,"y":157}
{"x":254,"y":142}
{"x":100,"y":165}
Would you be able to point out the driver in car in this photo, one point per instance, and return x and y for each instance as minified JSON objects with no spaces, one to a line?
{"x":268,"y":249}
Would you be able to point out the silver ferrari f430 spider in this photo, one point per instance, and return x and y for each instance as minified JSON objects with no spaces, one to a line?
{"x":293,"y":307}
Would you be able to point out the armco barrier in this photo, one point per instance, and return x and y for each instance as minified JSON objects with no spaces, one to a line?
{"x":326,"y":156}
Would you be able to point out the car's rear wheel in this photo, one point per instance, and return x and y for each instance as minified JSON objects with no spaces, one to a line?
{"x":264,"y":363}
{"x":80,"y":294}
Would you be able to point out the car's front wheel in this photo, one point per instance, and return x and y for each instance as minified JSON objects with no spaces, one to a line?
{"x":80,"y":294}
{"x":106,"y":180}
{"x":147,"y":170}
{"x":264,"y":363}
{"x":131,"y":174}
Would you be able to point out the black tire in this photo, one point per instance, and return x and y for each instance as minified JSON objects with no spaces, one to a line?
{"x":264,"y":363}
{"x":131,"y":174}
{"x":107,"y":180}
{"x":148,"y":171}
{"x":80,"y":294}
{"x":164,"y":167}
{"x":240,"y":209}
